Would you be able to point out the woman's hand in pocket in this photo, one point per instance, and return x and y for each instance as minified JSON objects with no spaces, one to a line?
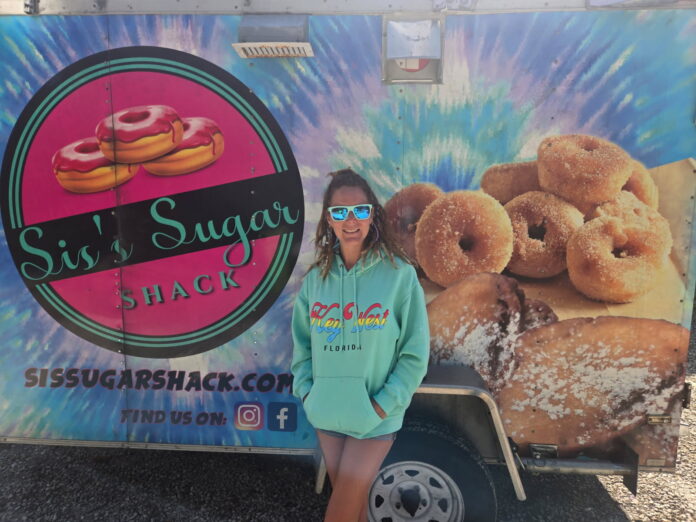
{"x":378,"y":409}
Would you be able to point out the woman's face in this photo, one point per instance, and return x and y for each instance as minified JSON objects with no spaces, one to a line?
{"x":351,"y":231}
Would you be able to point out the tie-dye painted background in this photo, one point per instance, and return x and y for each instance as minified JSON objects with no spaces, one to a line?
{"x":508,"y":81}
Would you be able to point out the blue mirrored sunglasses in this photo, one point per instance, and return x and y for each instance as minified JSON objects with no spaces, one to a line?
{"x":361,"y":211}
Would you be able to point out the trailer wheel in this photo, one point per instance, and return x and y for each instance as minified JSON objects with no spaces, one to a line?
{"x":434,"y":476}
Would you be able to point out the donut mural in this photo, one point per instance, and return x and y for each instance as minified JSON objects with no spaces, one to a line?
{"x":163,"y":279}
{"x":544,"y":190}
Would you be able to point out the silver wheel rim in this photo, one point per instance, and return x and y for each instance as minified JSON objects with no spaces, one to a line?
{"x":411,"y":490}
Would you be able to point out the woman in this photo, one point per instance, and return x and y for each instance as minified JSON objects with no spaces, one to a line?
{"x":361,"y":341}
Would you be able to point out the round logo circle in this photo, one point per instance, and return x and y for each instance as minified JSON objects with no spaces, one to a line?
{"x":151,"y":202}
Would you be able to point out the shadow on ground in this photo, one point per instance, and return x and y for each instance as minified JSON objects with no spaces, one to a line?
{"x":555,"y":497}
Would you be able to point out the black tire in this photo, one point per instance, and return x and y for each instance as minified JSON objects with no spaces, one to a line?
{"x":430,"y":470}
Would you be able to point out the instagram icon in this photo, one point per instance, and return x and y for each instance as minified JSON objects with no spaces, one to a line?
{"x":248,"y":416}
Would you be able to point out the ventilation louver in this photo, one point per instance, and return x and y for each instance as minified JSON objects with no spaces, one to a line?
{"x":274,"y":49}
{"x":274,"y":36}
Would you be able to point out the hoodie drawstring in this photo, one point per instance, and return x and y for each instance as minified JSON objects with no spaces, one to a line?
{"x":355,"y":300}
{"x":353,"y":278}
{"x":362,"y":265}
{"x":343,"y":329}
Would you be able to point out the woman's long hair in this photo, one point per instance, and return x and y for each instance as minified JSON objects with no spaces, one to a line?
{"x":379,"y":240}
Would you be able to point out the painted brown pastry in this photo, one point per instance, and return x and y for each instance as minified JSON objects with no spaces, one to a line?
{"x":656,"y":444}
{"x":476,"y":321}
{"x":536,"y":313}
{"x":581,"y":382}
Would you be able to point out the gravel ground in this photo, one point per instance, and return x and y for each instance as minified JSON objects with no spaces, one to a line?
{"x":63,"y":483}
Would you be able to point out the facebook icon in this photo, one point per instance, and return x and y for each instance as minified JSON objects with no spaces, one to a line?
{"x":282,"y":416}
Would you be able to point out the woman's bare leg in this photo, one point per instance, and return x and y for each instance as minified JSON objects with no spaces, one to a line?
{"x":331,"y":448}
{"x":359,"y":464}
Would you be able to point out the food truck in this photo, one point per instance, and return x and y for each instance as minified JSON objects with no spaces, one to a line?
{"x":162,"y":173}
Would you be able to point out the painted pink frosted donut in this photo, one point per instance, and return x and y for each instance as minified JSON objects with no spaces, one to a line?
{"x":81,"y":167}
{"x":139,"y":134}
{"x":202,"y":144}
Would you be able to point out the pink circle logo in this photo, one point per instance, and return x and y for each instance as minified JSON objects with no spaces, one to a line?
{"x":151,"y":203}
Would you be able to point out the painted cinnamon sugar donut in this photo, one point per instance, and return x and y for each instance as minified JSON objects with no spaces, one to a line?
{"x":642,"y":185}
{"x":585,"y":170}
{"x":509,"y":180}
{"x":201,"y":145}
{"x":463,"y":233}
{"x":405,"y":208}
{"x":615,"y":260}
{"x":580,"y":383}
{"x":139,"y":134}
{"x":82,"y":168}
{"x":627,"y":207}
{"x":541,"y":224}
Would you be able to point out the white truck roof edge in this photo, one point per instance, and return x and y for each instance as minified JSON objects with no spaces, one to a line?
{"x":91,"y":7}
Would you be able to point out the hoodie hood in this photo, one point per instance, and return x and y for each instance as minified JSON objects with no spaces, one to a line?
{"x":368,"y":259}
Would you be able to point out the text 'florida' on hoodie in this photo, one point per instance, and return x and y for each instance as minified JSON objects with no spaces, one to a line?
{"x":359,"y":334}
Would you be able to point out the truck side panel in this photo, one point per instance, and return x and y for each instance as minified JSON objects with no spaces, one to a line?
{"x":164,"y":314}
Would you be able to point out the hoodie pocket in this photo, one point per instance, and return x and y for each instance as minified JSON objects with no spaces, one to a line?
{"x":341,"y":404}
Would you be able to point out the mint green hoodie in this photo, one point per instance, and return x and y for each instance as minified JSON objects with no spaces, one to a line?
{"x":359,"y":334}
